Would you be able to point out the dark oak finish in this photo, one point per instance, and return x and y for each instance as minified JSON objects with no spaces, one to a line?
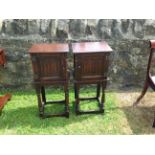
{"x":2,"y":57}
{"x":50,"y":68}
{"x":91,"y":61}
{"x":150,"y":79}
{"x":7,"y":97}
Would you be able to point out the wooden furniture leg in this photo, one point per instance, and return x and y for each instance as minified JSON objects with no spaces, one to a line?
{"x":102,"y":99}
{"x":3,"y":101}
{"x":153,"y":124}
{"x":40,"y":106}
{"x":43,"y":94}
{"x":77,"y":88}
{"x":98,"y":91}
{"x":146,"y":85}
{"x":147,"y":81}
{"x":66,"y":90}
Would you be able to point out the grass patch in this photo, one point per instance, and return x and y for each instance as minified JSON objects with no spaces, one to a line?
{"x":20,"y":115}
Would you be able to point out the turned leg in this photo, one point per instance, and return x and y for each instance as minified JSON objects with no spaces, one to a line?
{"x":153,"y":124}
{"x":66,"y":90}
{"x":98,"y":91}
{"x":43,"y":94}
{"x":146,"y":85}
{"x":75,"y":92}
{"x":77,"y":87}
{"x":102,"y":98}
{"x":40,"y":107}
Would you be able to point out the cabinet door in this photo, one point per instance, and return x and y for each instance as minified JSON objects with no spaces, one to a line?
{"x":49,"y":66}
{"x":91,"y":65}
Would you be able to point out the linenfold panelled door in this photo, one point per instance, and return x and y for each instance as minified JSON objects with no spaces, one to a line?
{"x":49,"y":66}
{"x":94,"y":65}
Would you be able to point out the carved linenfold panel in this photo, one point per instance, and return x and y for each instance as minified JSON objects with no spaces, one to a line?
{"x":49,"y":67}
{"x":89,"y":66}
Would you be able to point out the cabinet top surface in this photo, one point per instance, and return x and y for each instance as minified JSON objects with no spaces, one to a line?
{"x":49,"y":48}
{"x":90,"y":47}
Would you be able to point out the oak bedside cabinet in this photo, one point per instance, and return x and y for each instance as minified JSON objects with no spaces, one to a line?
{"x":91,"y":61}
{"x":49,"y":62}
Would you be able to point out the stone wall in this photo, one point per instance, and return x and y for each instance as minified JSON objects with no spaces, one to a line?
{"x":128,"y":38}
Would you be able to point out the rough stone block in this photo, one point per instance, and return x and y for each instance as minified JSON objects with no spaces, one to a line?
{"x":8,"y":27}
{"x":33,"y":26}
{"x":45,"y":26}
{"x":91,"y":29}
{"x":20,"y":26}
{"x":62,"y":29}
{"x":117,"y":29}
{"x":139,"y":28}
{"x":149,"y":28}
{"x":104,"y":28}
{"x":77,"y":28}
{"x":53,"y":28}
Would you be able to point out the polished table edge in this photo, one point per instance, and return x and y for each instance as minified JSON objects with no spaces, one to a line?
{"x":91,"y":47}
{"x":49,"y":48}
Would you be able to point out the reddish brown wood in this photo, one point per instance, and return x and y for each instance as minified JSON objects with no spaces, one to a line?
{"x":49,"y":48}
{"x":2,"y":57}
{"x":3,"y":100}
{"x":89,"y":47}
{"x":91,"y":61}
{"x":50,"y":68}
{"x":152,"y":43}
{"x":91,"y":66}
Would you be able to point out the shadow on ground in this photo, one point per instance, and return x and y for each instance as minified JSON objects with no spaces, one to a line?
{"x":140,"y":119}
{"x":28,"y":116}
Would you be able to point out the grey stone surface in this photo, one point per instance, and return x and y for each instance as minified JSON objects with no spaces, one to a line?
{"x":7,"y":27}
{"x":33,"y":26}
{"x":1,"y":23}
{"x":139,"y":28}
{"x":116,"y":29}
{"x":62,"y":29}
{"x":104,"y":28}
{"x":20,"y":26}
{"x":91,"y":28}
{"x":77,"y":28}
{"x":149,"y":28}
{"x":45,"y":26}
